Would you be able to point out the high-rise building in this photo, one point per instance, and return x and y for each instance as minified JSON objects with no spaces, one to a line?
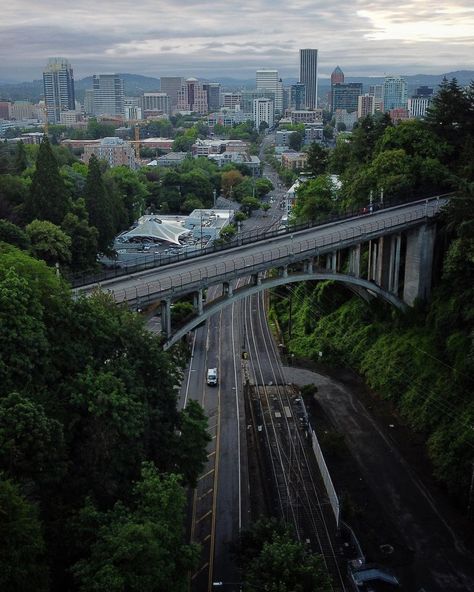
{"x":158,"y":102}
{"x":248,"y":96}
{"x":58,"y":83}
{"x":268,"y":80}
{"x":346,"y":96}
{"x":22,"y":110}
{"x":263,"y":112}
{"x":337,"y":77}
{"x":213,"y":90}
{"x":89,"y":101}
{"x":109,"y":98}
{"x":192,"y":97}
{"x":366,"y":105}
{"x":5,"y":109}
{"x":309,"y":76}
{"x":230,"y":100}
{"x":395,"y":93}
{"x":417,"y":106}
{"x":376,"y":90}
{"x":298,"y":96}
{"x":424,"y":91}
{"x":171,"y":85}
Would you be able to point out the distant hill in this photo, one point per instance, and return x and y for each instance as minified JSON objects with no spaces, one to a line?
{"x":136,"y":84}
{"x":463,"y":77}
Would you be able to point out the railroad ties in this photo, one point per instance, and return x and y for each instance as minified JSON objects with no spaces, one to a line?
{"x":298,"y":495}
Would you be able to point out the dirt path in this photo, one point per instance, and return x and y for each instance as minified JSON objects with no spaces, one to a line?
{"x":380,"y":470}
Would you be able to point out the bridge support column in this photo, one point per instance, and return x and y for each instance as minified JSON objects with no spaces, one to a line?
{"x":166,"y":317}
{"x":354,"y":261}
{"x":284,"y":271}
{"x":227,"y":289}
{"x":394,"y":264}
{"x":198,"y":301}
{"x":372,"y":266}
{"x":383,"y":263}
{"x":419,"y":263}
{"x":331,"y":261}
{"x":256,"y":279}
{"x":308,"y":266}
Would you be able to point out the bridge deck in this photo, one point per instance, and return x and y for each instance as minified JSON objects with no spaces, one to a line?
{"x":175,"y":280}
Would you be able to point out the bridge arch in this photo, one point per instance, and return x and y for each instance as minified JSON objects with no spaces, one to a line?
{"x":218,"y":304}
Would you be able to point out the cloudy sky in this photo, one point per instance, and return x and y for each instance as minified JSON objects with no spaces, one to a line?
{"x":214,"y":39}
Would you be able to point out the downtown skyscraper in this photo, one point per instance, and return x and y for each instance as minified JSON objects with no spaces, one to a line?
{"x":58,"y":82}
{"x":309,"y":76}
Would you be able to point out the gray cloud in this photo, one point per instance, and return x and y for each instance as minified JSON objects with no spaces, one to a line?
{"x":162,"y":37}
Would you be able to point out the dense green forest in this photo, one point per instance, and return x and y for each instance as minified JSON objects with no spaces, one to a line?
{"x":95,"y":457}
{"x":422,"y":361}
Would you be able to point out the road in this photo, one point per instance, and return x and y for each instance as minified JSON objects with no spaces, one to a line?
{"x":417,"y":520}
{"x":220,"y":505}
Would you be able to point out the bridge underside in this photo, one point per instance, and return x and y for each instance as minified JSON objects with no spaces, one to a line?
{"x":360,"y":286}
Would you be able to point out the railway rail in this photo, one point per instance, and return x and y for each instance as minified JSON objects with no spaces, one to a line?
{"x":300,"y":498}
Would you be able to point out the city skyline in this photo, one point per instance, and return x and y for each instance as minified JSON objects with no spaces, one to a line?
{"x":369,"y":39}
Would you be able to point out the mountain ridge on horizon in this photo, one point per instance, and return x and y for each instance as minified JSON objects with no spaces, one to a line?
{"x":139,"y":83}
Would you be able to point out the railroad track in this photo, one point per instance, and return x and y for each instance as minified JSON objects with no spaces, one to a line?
{"x":301,"y":499}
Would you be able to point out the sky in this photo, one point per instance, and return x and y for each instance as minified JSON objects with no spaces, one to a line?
{"x":213,"y":39}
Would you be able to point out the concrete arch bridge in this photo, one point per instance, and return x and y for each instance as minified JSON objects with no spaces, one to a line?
{"x":388,"y":254}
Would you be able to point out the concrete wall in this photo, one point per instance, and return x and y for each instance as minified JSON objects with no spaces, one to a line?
{"x":419,"y":263}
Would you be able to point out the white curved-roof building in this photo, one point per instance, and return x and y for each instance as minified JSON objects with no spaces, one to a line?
{"x":156,"y":229}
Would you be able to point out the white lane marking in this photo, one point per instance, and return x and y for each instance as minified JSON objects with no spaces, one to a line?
{"x":190,"y":370}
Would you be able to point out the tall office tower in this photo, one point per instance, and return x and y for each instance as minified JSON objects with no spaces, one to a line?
{"x":89,"y":101}
{"x":249,"y":95}
{"x":58,"y":82}
{"x":171,"y":85}
{"x":337,"y":77}
{"x":230,"y":100}
{"x":366,"y":105}
{"x":376,"y":90}
{"x":424,"y":91}
{"x":395,"y":93}
{"x":309,"y":76}
{"x":5,"y":109}
{"x":213,"y":90}
{"x":263,"y":110}
{"x":158,"y":102}
{"x":109,"y":97}
{"x":298,"y":96}
{"x":268,"y":80}
{"x":192,"y":97}
{"x":346,"y":96}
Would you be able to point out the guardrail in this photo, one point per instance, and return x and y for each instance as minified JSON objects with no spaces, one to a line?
{"x":176,"y":282}
{"x":253,"y":236}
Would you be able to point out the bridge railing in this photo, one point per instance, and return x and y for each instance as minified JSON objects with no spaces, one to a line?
{"x":146,"y":262}
{"x":178,"y":283}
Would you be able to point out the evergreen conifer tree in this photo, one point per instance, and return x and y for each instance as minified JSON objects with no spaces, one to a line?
{"x":21,"y":160}
{"x":99,"y":205}
{"x":48,"y":198}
